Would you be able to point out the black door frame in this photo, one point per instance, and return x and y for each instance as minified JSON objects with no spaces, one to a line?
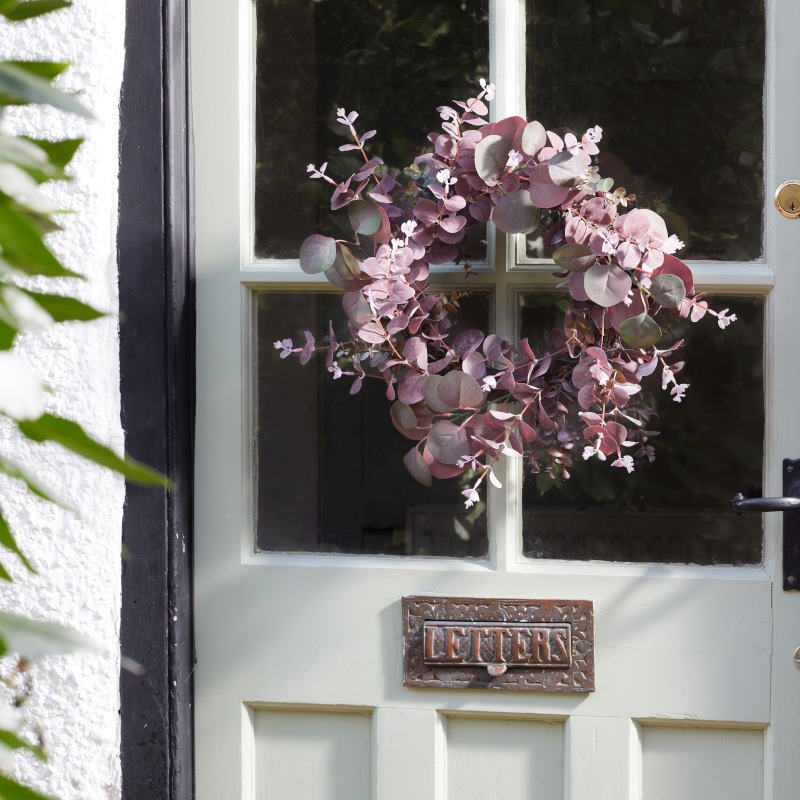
{"x":155,"y":241}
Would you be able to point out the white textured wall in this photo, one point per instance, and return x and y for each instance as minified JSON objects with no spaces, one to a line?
{"x":76,"y":699}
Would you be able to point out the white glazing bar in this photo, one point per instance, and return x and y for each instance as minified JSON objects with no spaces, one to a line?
{"x":506,"y":69}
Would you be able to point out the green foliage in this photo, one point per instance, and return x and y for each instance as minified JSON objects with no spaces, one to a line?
{"x":26,"y":217}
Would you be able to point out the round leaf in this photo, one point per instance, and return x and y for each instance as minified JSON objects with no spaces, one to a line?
{"x":641,"y":331}
{"x":534,"y":138}
{"x":606,"y":285}
{"x":447,"y":442}
{"x":668,"y":290}
{"x":460,"y":390}
{"x":574,"y":257}
{"x":356,"y":307}
{"x":317,"y":253}
{"x":432,"y":399}
{"x":566,"y":169}
{"x":491,"y":154}
{"x":417,"y":466}
{"x":364,"y":217}
{"x":516,"y":213}
{"x":345,"y":268}
{"x":544,"y":193}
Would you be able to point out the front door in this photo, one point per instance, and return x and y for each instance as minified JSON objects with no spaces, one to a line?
{"x":308,"y":531}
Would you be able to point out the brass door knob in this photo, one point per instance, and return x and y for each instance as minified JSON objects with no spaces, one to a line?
{"x":787,"y":199}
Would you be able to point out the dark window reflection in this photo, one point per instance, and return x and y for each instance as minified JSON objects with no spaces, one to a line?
{"x":677,"y":87}
{"x":392,"y":61}
{"x":330,"y":471}
{"x":675,"y":509}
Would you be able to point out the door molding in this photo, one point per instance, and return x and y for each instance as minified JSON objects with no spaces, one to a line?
{"x":157,"y":331}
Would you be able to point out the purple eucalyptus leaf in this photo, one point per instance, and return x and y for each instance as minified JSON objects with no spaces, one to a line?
{"x":474,"y":365}
{"x":447,"y":442}
{"x":668,"y":290}
{"x":364,"y":217}
{"x":410,"y":387}
{"x":640,"y":332}
{"x":544,"y":193}
{"x":516,"y":213}
{"x":356,"y":307}
{"x":317,"y":253}
{"x":566,"y":168}
{"x":460,"y":390}
{"x":432,"y":398}
{"x":574,"y":257}
{"x":534,"y":138}
{"x":417,"y":466}
{"x":491,"y":154}
{"x":467,"y":342}
{"x":606,"y":285}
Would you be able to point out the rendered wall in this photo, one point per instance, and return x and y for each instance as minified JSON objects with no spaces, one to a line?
{"x":76,"y":698}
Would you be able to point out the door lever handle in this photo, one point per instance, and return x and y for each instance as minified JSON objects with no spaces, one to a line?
{"x":791,"y":522}
{"x":740,"y":503}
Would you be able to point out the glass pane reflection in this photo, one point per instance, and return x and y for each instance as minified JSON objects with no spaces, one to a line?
{"x":330,"y":475}
{"x":677,"y":87}
{"x":675,"y":509}
{"x":392,"y":61}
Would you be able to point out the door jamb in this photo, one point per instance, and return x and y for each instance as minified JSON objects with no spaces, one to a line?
{"x":157,"y":330}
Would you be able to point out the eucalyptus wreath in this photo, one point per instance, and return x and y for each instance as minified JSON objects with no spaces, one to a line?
{"x":467,"y":398}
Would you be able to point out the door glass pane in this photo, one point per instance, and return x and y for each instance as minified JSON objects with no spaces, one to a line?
{"x":677,"y":87}
{"x":330,"y":473}
{"x":675,"y":509}
{"x":392,"y":61}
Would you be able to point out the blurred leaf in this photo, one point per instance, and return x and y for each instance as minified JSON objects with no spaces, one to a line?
{"x":9,"y":542}
{"x":13,"y":471}
{"x":11,"y":790}
{"x":23,"y":248}
{"x":42,"y":69}
{"x":64,"y":309}
{"x":13,"y":742}
{"x":33,"y":639}
{"x":49,"y":428}
{"x":59,"y":152}
{"x":16,"y":10}
{"x":18,"y":86}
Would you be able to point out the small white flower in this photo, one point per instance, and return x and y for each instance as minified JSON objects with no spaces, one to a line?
{"x":311,"y":168}
{"x":625,"y":462}
{"x":489,"y":88}
{"x":599,"y":374}
{"x":672,"y":245}
{"x":667,"y":377}
{"x":408,"y":227}
{"x":588,"y":452}
{"x":594,"y":134}
{"x":471,"y":496}
{"x":628,"y":299}
{"x":285,"y":346}
{"x":489,"y":383}
{"x":678,"y":391}
{"x":724,"y":319}
{"x":444,"y":177}
{"x":514,"y":159}
{"x":340,"y":112}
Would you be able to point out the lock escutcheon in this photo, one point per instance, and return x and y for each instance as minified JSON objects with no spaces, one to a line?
{"x":787,"y":199}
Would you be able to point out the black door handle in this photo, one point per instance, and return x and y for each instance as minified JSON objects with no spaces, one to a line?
{"x":791,"y":522}
{"x":740,"y":503}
